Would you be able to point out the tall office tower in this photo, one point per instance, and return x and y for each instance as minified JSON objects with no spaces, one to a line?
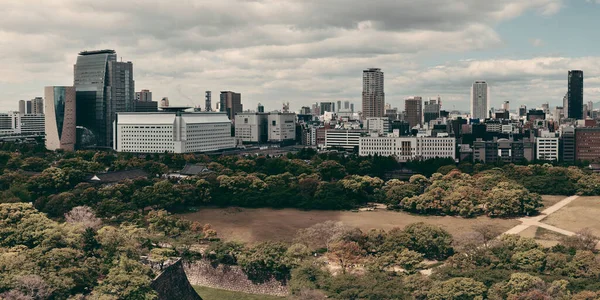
{"x":431,"y":110}
{"x":37,"y":106}
{"x":590,"y":107}
{"x":305,"y":110}
{"x":260,"y":108}
{"x":327,"y":107}
{"x":60,"y":117}
{"x":522,"y":111}
{"x":28,"y":107}
{"x":506,"y":106}
{"x":208,"y":101}
{"x":103,"y":87}
{"x":22,"y":108}
{"x":575,"y":95}
{"x":480,"y":100}
{"x":231,"y":103}
{"x":339,"y":106}
{"x":585,"y":111}
{"x":413,"y":107}
{"x":373,"y":96}
{"x":143,"y":96}
{"x":352,"y":107}
{"x":346,"y":105}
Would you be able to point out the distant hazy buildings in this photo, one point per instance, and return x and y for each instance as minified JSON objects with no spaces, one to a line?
{"x":432,"y":109}
{"x":327,"y":107}
{"x":480,"y":100}
{"x":574,"y":107}
{"x":164,"y":102}
{"x":174,"y":132}
{"x":230,"y":103}
{"x":37,"y":106}
{"x":143,"y":96}
{"x":103,"y":87}
{"x":60,"y":118}
{"x":413,"y":108}
{"x":373,"y":96}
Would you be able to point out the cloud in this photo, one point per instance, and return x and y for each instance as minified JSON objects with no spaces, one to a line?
{"x":272,"y":51}
{"x":536,"y":42}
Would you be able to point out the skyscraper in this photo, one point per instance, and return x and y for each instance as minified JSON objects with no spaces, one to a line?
{"x":208,"y":101}
{"x":22,"y":108}
{"x":432,"y":109}
{"x":413,"y":107}
{"x":480,"y":100}
{"x":37,"y":105}
{"x":231,"y":103}
{"x":575,"y":95}
{"x":28,"y":108}
{"x":327,"y":107}
{"x":60,"y":117}
{"x":373,"y":96}
{"x":103,"y":87}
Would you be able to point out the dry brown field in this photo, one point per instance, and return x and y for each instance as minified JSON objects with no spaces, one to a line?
{"x":263,"y":224}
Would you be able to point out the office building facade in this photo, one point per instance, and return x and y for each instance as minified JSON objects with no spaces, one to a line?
{"x":432,"y":110}
{"x":230,"y":103}
{"x":587,"y":144}
{"x":480,"y":97}
{"x":143,"y":96}
{"x":251,"y":127}
{"x":282,"y":127}
{"x":174,"y":132}
{"x":409,"y":148}
{"x":60,"y":119}
{"x":103,"y":87}
{"x":413,"y":109}
{"x":373,"y":95}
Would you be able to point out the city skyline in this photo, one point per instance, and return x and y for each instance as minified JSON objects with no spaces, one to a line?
{"x":312,"y":61}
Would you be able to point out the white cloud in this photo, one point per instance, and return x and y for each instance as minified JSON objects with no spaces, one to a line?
{"x":271,"y":51}
{"x":536,"y":42}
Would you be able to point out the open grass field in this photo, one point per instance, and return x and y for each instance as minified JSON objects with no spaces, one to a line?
{"x":543,"y":236}
{"x":216,"y":294}
{"x":550,"y":200}
{"x":257,"y":225}
{"x":584,"y":212}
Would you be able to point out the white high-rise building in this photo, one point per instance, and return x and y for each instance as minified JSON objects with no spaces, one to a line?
{"x":282,"y":127}
{"x":480,"y":100}
{"x":373,"y":96}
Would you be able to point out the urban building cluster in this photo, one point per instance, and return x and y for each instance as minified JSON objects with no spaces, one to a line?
{"x":101,"y":109}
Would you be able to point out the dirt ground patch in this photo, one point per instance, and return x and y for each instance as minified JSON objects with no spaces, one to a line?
{"x":584,"y":212}
{"x":550,"y":200}
{"x":256,"y":225}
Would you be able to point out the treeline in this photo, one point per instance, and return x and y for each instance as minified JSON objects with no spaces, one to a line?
{"x":305,"y":180}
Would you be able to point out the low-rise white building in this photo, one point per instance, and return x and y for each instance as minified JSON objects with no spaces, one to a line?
{"x":345,"y":139}
{"x":251,"y":127}
{"x":547,"y":146}
{"x":282,"y":127}
{"x":175,"y":132}
{"x":14,"y":123}
{"x":408,"y":148}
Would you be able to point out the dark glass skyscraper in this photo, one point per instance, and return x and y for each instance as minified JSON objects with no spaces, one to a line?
{"x":103,"y":88}
{"x":575,"y":95}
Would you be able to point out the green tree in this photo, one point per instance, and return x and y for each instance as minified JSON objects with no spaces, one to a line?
{"x":331,"y":170}
{"x":430,"y":240}
{"x":266,"y":261}
{"x":457,"y":289}
{"x":128,"y":280}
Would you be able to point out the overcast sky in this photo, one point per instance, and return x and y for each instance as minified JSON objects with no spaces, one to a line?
{"x":305,"y":51}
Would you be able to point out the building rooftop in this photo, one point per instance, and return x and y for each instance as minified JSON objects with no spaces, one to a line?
{"x":94,"y":52}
